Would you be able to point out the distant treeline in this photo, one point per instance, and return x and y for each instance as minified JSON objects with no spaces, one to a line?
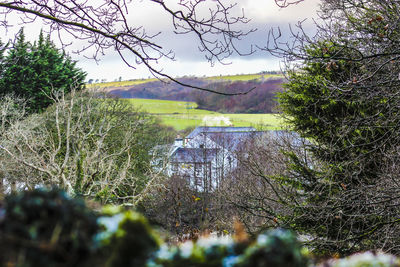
{"x":260,"y":100}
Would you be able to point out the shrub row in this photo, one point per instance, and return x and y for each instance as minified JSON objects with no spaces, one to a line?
{"x":48,"y":228}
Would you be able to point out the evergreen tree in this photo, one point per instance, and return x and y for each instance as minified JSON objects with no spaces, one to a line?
{"x":36,"y":71}
{"x":16,"y":71}
{"x":345,"y":100}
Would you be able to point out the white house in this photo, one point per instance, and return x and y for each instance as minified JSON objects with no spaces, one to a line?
{"x":208,"y":154}
{"x":199,"y":165}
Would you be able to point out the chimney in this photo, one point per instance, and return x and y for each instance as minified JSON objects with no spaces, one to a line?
{"x":178,"y":141}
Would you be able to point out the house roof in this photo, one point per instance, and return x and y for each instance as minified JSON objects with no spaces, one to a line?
{"x":232,"y":140}
{"x":193,"y":155}
{"x":210,"y":129}
{"x":281,"y":136}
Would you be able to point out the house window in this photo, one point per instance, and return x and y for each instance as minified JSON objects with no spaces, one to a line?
{"x":207,"y":170}
{"x":197,"y":169}
{"x":175,"y":167}
{"x":198,"y":182}
{"x":218,"y":171}
{"x":230,"y":162}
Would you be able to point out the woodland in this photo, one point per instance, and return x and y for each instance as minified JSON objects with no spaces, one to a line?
{"x":262,"y":100}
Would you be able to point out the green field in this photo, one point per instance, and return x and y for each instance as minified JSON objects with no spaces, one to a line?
{"x":155,"y":106}
{"x":181,"y":114}
{"x":119,"y":84}
{"x":241,"y":77}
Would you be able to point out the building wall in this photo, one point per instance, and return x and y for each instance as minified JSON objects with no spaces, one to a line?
{"x":206,"y":176}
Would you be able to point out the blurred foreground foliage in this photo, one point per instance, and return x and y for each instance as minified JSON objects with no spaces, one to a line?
{"x":45,"y":227}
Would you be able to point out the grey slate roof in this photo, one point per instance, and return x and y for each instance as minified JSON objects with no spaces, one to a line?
{"x":279,"y":135}
{"x":210,"y":129}
{"x":232,"y":140}
{"x":193,"y":155}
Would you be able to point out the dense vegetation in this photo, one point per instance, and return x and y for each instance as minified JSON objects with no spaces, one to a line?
{"x":48,"y":228}
{"x":260,"y":100}
{"x":53,"y":134}
{"x":36,"y":72}
{"x":344,"y":98}
{"x":181,"y":115}
{"x":85,"y":143}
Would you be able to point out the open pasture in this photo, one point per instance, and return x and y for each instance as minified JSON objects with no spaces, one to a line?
{"x":240,"y":77}
{"x":156,"y":106}
{"x":119,"y":84}
{"x":181,"y":114}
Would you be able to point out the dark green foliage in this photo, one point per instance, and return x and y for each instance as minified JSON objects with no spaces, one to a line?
{"x":274,"y":248}
{"x":203,"y":253}
{"x":35,"y":72}
{"x":46,"y":228}
{"x":128,"y":239}
{"x":344,"y":99}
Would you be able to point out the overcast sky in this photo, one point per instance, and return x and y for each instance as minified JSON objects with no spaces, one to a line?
{"x":264,"y":15}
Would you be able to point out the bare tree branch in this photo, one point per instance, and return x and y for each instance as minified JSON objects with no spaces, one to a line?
{"x":105,"y":25}
{"x":84,"y":144}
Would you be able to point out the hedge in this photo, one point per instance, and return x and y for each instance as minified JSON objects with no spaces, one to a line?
{"x":45,"y":227}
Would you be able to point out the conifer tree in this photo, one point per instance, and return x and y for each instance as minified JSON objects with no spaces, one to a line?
{"x":344,"y":98}
{"x":36,"y":71}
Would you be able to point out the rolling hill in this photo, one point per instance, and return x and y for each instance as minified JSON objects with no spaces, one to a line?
{"x":260,"y":100}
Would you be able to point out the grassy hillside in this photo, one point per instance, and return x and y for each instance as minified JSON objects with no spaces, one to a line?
{"x":261,"y":100}
{"x":181,"y":114}
{"x":241,"y":77}
{"x":119,"y":84}
{"x":156,"y":106}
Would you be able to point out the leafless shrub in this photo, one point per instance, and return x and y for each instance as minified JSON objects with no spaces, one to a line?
{"x":86,"y":144}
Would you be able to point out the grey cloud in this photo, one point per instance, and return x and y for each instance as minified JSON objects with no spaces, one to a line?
{"x":186,"y":46}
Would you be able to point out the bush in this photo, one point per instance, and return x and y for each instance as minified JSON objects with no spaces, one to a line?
{"x":274,"y":248}
{"x":127,"y":238}
{"x":46,"y":228}
{"x":210,"y":251}
{"x":366,"y":259}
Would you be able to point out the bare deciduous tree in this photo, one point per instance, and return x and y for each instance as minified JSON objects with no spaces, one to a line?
{"x":286,"y":3}
{"x":87,"y":145}
{"x":253,"y":191}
